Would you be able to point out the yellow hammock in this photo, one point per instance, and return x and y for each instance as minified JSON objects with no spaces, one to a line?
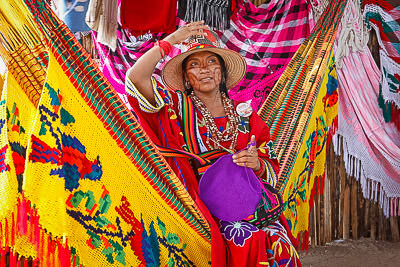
{"x":63,"y":128}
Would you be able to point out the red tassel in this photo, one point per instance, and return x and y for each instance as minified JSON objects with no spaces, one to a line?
{"x":13,"y":230}
{"x":2,"y":257}
{"x":66,"y":254}
{"x":60,"y":252}
{"x":37,"y":231}
{"x":74,"y":261}
{"x":19,"y":262}
{"x":25,"y":262}
{"x":6,"y":233}
{"x":53,"y":253}
{"x":42,"y":241}
{"x":1,"y":236}
{"x":31,"y":225}
{"x":12,"y":259}
{"x":48,"y":248}
{"x":22,"y":215}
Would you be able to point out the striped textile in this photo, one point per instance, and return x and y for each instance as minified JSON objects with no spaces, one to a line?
{"x":299,"y":111}
{"x":384,"y":17}
{"x":267,"y":36}
{"x":370,"y":146}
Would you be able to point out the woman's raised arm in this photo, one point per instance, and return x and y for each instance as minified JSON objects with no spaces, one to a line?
{"x":140,"y":73}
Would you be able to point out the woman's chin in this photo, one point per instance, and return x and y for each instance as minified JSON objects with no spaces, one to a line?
{"x":207,"y":89}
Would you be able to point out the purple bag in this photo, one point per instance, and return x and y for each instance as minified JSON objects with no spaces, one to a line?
{"x":229,"y":191}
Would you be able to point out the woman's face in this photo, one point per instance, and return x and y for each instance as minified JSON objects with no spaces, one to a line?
{"x":203,"y":71}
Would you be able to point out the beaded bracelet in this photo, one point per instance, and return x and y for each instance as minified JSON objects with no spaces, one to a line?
{"x":165,"y":47}
{"x":261,"y":170}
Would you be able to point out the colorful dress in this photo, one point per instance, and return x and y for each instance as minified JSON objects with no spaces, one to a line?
{"x":177,"y":127}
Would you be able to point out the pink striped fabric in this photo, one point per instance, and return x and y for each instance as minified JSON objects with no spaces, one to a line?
{"x":371,"y":146}
{"x":267,"y":36}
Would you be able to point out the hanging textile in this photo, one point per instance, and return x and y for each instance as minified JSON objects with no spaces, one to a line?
{"x":215,"y":13}
{"x":26,"y":71}
{"x":149,"y":16}
{"x":27,"y":60}
{"x":102,"y":17}
{"x":371,"y":146}
{"x":300,"y":110}
{"x":384,"y":17}
{"x":267,"y":37}
{"x":81,"y":141}
{"x":73,"y":12}
{"x":353,"y":34}
{"x":287,"y":24}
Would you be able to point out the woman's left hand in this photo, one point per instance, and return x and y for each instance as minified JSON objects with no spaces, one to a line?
{"x":248,"y":157}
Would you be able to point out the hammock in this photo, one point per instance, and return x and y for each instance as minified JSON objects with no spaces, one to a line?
{"x":108,"y":218}
{"x":299,"y":114}
{"x":83,"y":146}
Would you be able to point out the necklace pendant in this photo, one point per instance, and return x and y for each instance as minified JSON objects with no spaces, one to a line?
{"x":244,"y":109}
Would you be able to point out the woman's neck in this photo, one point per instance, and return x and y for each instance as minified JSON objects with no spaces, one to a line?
{"x":213,"y":102}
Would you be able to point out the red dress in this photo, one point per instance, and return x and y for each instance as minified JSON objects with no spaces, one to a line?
{"x":175,"y":123}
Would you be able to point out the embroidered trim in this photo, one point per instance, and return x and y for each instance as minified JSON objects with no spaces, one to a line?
{"x":144,"y":104}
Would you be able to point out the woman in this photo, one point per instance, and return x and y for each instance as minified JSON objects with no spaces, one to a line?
{"x":195,"y":116}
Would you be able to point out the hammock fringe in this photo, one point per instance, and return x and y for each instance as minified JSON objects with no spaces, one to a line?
{"x":371,"y":189}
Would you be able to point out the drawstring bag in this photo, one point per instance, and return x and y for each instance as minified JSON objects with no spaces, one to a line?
{"x":230,"y":192}
{"x":233,"y":193}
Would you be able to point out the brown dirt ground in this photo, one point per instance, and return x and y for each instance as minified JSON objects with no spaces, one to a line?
{"x":363,"y":252}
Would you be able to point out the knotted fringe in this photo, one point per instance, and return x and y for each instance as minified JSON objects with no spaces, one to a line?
{"x":215,"y":13}
{"x":25,"y":222}
{"x":371,"y":189}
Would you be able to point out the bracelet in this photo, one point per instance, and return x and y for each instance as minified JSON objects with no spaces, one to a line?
{"x":165,"y":47}
{"x":261,"y":170}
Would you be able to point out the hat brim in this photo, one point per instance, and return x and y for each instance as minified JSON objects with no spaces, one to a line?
{"x":234,"y":62}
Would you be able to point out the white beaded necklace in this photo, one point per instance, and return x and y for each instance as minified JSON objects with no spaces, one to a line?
{"x":213,"y":133}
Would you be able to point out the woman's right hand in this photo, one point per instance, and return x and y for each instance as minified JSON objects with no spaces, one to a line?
{"x":184,"y":32}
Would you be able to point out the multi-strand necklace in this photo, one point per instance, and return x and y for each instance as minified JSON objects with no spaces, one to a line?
{"x":213,"y":133}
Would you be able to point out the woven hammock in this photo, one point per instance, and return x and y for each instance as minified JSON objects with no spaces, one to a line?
{"x":292,"y":109}
{"x":61,"y":111}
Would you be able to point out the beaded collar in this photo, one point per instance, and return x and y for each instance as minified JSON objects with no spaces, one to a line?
{"x":213,"y":133}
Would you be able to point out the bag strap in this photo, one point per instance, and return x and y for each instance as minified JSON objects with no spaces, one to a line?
{"x":202,"y":158}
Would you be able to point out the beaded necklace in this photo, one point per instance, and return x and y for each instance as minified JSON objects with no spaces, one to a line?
{"x":213,"y":134}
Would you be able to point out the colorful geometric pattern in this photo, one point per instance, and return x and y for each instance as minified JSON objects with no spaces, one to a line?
{"x":93,"y":178}
{"x":299,"y":111}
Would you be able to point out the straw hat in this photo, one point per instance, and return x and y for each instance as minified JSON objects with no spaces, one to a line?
{"x":234,"y":62}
